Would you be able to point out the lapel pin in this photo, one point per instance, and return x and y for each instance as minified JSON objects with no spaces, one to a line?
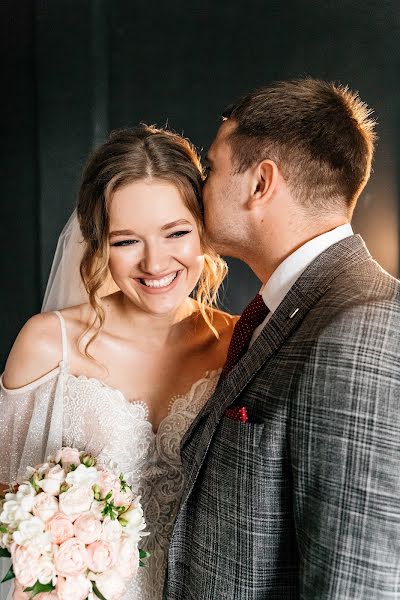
{"x":293,"y":313}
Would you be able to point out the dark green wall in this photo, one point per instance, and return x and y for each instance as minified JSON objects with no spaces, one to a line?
{"x":73,"y":69}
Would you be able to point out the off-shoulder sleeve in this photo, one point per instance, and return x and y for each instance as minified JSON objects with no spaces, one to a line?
{"x":30,"y":424}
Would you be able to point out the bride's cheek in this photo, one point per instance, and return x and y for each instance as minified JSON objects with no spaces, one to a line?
{"x":121,"y":263}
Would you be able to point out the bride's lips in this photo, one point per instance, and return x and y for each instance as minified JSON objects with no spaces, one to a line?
{"x":158,"y":290}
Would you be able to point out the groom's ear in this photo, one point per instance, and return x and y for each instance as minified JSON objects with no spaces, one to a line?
{"x":265,"y":179}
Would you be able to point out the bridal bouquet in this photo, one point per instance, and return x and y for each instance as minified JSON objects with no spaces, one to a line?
{"x":72,"y":530}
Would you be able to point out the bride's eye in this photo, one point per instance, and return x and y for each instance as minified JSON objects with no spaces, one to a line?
{"x":124,"y":243}
{"x":178,"y":234}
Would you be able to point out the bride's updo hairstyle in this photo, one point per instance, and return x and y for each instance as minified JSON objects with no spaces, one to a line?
{"x":141,"y":153}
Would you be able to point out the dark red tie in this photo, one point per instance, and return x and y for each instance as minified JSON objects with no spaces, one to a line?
{"x":252,"y":316}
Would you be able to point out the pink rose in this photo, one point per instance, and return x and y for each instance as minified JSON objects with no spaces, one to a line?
{"x":73,"y":588}
{"x":122,"y":498}
{"x":60,"y":528}
{"x":108,"y":482}
{"x":25,"y":565}
{"x":19,"y":593}
{"x":45,"y":506}
{"x":71,"y":558}
{"x":68,"y":456}
{"x":87,"y":528}
{"x":127,"y":563}
{"x":110,"y":584}
{"x":75,"y":501}
{"x":100,"y":556}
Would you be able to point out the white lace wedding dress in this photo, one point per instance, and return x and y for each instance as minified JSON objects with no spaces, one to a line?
{"x":61,"y":409}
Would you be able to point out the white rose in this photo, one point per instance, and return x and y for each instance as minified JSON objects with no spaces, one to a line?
{"x":111,"y":530}
{"x":45,"y":506}
{"x":46,"y":571}
{"x":6,"y":540}
{"x":42,"y":469}
{"x":41,"y":543}
{"x":28,"y":530}
{"x":135,"y":522}
{"x":16,"y":509}
{"x":76,"y":501}
{"x":83,"y":476}
{"x":97,"y":508}
{"x":7,"y":515}
{"x":52,"y":482}
{"x":28,"y":473}
{"x":25,"y":496}
{"x":74,"y":588}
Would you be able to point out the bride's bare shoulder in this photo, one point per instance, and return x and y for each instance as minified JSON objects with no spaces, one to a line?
{"x":36,"y":351}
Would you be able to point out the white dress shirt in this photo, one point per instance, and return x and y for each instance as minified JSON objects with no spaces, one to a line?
{"x":282,"y":279}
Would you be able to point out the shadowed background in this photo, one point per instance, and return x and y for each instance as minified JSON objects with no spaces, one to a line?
{"x":75,"y":69}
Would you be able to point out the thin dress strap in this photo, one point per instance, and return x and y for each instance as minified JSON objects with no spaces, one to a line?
{"x":64,"y":338}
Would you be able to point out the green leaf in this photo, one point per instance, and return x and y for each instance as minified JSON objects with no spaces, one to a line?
{"x":4,"y":553}
{"x":3,"y":529}
{"x":9,"y":575}
{"x":144,"y":554}
{"x":39,"y":587}
{"x":72,"y":467}
{"x":98,"y":594}
{"x":109,"y":495}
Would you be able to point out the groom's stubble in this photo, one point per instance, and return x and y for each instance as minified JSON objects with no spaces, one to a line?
{"x":224,"y":196}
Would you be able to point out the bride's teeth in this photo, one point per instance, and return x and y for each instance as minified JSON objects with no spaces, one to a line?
{"x":158,"y":283}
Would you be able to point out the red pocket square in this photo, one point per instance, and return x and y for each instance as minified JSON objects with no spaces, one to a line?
{"x":237,"y":413}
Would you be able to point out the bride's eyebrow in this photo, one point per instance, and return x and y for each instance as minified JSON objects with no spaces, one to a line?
{"x":163,"y":228}
{"x":121,"y":232}
{"x":175,"y":223}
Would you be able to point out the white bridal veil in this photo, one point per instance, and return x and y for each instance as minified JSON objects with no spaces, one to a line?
{"x":64,"y":287}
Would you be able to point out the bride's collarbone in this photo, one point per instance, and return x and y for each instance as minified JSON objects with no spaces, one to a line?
{"x":160,"y":373}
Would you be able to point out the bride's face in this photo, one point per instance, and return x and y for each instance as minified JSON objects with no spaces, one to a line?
{"x":155,"y":248}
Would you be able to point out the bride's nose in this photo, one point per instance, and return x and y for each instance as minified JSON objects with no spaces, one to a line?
{"x":155,"y":259}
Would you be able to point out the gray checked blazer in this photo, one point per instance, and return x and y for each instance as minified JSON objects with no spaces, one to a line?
{"x":303,"y":501}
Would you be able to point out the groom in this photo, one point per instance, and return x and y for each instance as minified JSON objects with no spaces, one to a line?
{"x":293,"y":467}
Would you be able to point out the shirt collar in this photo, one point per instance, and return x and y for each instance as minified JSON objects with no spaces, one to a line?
{"x":282,"y":279}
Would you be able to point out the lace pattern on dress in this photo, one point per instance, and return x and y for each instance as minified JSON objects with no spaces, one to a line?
{"x":99,"y":419}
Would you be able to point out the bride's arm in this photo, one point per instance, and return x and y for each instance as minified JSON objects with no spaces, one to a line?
{"x":36,"y":351}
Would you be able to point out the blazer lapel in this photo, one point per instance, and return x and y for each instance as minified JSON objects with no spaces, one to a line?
{"x":305,"y":293}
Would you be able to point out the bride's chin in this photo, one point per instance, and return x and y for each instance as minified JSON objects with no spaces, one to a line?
{"x":153,"y":304}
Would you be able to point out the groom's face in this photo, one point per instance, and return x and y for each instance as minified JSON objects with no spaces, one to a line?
{"x":224,"y":197}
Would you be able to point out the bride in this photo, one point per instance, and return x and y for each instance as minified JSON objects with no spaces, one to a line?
{"x":123,"y":375}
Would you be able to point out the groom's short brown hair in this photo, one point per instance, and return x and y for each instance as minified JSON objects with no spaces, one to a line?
{"x":320,"y":135}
